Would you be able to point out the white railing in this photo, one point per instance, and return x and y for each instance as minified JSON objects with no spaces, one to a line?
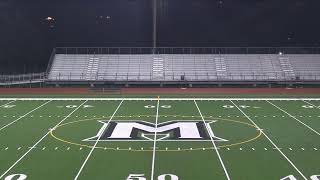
{"x":22,"y":78}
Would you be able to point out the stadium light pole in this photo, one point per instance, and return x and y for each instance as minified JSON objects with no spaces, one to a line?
{"x":154,"y":33}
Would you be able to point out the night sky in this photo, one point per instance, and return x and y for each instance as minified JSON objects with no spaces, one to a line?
{"x":29,"y":29}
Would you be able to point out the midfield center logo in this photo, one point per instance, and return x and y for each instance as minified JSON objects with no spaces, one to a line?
{"x":145,"y":131}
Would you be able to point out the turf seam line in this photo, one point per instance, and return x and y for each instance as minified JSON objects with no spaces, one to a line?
{"x":310,"y":128}
{"x":39,"y":141}
{"x":277,"y":148}
{"x":155,"y":142}
{"x":213,"y":143}
{"x":96,"y":143}
{"x":20,"y":117}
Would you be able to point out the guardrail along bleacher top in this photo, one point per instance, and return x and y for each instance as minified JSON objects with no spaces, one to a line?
{"x":185,"y":64}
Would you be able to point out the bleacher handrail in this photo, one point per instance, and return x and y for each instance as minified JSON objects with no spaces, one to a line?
{"x":30,"y":77}
{"x":53,"y":53}
{"x":187,"y":50}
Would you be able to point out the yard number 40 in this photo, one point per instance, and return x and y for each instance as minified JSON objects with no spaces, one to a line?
{"x":161,"y":177}
{"x":291,"y":177}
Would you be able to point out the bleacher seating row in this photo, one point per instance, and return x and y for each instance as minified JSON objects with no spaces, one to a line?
{"x":184,"y":67}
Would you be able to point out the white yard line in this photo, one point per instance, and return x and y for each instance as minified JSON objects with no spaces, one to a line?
{"x":34,"y":146}
{"x":155,"y":142}
{"x":8,"y":103}
{"x":276,"y":147}
{"x":294,"y":118}
{"x":213,"y":143}
{"x":166,"y":99}
{"x":5,"y":126}
{"x":96,"y":143}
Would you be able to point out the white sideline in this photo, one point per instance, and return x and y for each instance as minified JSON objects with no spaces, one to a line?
{"x":95,"y":144}
{"x":7,"y":103}
{"x":34,"y":146}
{"x":294,"y":118}
{"x":155,"y":142}
{"x":166,"y":99}
{"x":276,"y":147}
{"x":213,"y":143}
{"x":5,"y":126}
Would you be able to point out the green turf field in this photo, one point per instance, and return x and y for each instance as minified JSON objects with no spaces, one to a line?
{"x":159,"y":139}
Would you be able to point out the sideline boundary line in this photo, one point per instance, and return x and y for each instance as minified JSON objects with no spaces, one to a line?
{"x":307,"y":126}
{"x":165,"y":99}
{"x":304,"y":177}
{"x":96,"y":143}
{"x":213,"y":143}
{"x":155,"y":142}
{"x":39,"y":141}
{"x":12,"y":122}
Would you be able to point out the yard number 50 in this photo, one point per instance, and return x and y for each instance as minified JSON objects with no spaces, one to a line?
{"x":161,"y":177}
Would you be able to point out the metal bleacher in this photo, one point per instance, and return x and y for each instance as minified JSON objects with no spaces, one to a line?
{"x":184,"y":67}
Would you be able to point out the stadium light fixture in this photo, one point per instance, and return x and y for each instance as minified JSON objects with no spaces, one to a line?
{"x":49,"y":18}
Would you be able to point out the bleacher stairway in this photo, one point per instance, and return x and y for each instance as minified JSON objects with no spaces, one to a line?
{"x":287,"y":67}
{"x":92,"y":68}
{"x":157,"y":68}
{"x":221,"y":67}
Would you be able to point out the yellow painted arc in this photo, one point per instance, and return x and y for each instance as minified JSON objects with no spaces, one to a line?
{"x":159,"y":150}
